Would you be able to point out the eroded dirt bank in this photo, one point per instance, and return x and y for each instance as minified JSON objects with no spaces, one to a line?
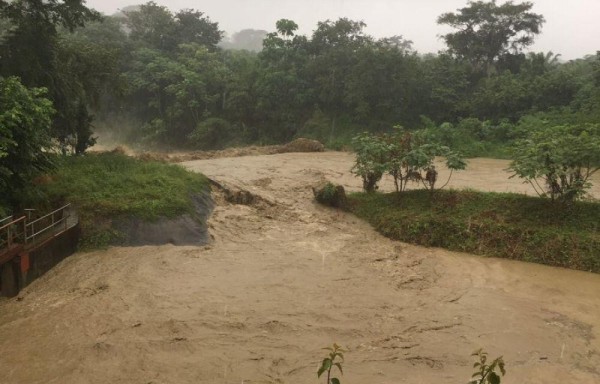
{"x":284,"y":278}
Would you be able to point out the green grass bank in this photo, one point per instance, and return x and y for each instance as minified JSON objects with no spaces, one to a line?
{"x":110,"y":186}
{"x":492,"y":224}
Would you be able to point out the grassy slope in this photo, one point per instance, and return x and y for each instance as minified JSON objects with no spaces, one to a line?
{"x":501,"y":225}
{"x":111,"y":185}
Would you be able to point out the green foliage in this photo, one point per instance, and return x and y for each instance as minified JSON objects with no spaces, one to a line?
{"x":492,"y":224}
{"x":174,"y":96}
{"x":163,"y":73}
{"x":211,"y":133}
{"x":110,"y":186}
{"x":472,"y":137}
{"x":335,"y":358}
{"x":564,"y":157}
{"x":286,"y":27}
{"x":331,"y":195}
{"x":25,"y":141}
{"x":487,"y":373}
{"x":486,"y":31}
{"x":332,"y":84}
{"x":421,"y":159}
{"x":404,"y":155}
{"x":372,"y":155}
{"x":282,"y":98}
{"x":33,"y":51}
{"x":156,"y":27}
{"x":87,"y":78}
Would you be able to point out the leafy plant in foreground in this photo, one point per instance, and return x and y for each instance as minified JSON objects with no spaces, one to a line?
{"x":487,"y":374}
{"x":334,"y":359}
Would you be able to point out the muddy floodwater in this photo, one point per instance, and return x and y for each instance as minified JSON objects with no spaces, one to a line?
{"x":285,"y":277}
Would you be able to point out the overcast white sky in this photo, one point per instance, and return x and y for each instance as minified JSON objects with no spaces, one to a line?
{"x":572,"y":26}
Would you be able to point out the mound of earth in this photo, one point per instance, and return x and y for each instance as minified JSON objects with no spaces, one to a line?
{"x":190,"y":229}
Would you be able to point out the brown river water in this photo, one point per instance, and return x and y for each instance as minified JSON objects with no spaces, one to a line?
{"x":285,"y":277}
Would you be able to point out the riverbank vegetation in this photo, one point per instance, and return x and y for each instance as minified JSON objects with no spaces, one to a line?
{"x":502,"y":225}
{"x":105,"y":188}
{"x":112,"y":184}
{"x":560,"y":227}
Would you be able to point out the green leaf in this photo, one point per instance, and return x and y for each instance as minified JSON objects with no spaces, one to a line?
{"x":325,"y":365}
{"x":335,"y":380}
{"x":501,"y":366}
{"x":320,"y":372}
{"x":493,"y":378}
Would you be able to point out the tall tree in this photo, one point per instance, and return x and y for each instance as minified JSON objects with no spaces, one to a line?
{"x":153,"y":26}
{"x":28,"y":48}
{"x":31,"y":51}
{"x":194,"y":27}
{"x":173,"y":95}
{"x":156,"y":27}
{"x":486,"y":31}
{"x":25,"y":141}
{"x":334,"y":45}
{"x":283,"y":91}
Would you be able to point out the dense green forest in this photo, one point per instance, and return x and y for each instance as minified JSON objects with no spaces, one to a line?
{"x":169,"y":83}
{"x":158,"y":78}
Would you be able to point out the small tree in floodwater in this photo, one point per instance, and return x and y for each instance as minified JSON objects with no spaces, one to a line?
{"x":421,"y":161}
{"x":563,"y":157}
{"x":372,"y":157}
{"x":406,"y":156}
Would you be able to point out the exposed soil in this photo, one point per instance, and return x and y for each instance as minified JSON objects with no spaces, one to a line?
{"x":285,"y":277}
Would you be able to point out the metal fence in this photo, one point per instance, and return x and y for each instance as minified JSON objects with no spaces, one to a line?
{"x":43,"y":227}
{"x":30,"y":233}
{"x":12,"y":232}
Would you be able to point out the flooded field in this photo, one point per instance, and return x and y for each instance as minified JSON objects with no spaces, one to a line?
{"x":285,"y":277}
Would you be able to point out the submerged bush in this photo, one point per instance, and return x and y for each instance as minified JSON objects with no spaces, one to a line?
{"x":332,"y":195}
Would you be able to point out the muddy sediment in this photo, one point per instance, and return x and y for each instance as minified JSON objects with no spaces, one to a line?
{"x":285,"y":277}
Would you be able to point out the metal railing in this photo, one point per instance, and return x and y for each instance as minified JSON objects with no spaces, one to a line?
{"x":41,"y":228}
{"x":29,"y":233}
{"x":11,"y":233}
{"x":6,"y":220}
